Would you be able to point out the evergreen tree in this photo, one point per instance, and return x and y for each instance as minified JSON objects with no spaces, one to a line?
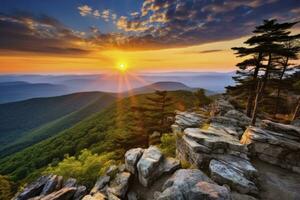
{"x":153,"y":115}
{"x":264,"y":49}
{"x":201,"y":98}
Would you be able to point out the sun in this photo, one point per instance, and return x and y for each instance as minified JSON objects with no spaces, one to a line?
{"x":122,"y":67}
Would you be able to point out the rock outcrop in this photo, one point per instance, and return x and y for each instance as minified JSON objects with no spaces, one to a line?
{"x":192,"y":184}
{"x":52,"y":187}
{"x":281,"y":148}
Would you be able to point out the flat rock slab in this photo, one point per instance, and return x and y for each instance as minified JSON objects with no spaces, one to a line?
{"x":192,"y":184}
{"x":281,"y":128}
{"x":222,"y":173}
{"x":215,"y":139}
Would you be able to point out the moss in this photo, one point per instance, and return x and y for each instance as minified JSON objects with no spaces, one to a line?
{"x":185,"y":164}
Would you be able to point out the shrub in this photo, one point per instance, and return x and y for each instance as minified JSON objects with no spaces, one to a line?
{"x":168,"y":144}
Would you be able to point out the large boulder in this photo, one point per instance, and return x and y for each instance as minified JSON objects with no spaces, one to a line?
{"x":220,"y":107}
{"x":225,"y":174}
{"x":119,"y":185}
{"x":277,"y":148}
{"x":192,"y":184}
{"x":152,"y":165}
{"x":243,"y":119}
{"x":132,"y":156}
{"x":70,"y":182}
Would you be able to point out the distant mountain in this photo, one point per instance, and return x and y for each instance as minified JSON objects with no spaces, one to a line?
{"x":20,"y":90}
{"x":167,"y":86}
{"x":26,"y":122}
{"x":213,"y":81}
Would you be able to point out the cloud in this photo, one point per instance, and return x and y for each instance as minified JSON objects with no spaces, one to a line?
{"x":169,"y":23}
{"x":210,"y":51}
{"x":85,"y":10}
{"x":40,"y":34}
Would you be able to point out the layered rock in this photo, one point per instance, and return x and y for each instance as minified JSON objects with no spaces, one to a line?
{"x":52,"y":187}
{"x":280,"y":148}
{"x":189,"y":119}
{"x":192,"y":184}
{"x":152,"y":165}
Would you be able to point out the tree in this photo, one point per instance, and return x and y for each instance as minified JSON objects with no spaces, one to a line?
{"x":264,"y":49}
{"x":201,"y":98}
{"x":153,"y":115}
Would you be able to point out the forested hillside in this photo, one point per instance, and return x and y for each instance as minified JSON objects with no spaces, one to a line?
{"x":60,"y":124}
{"x":35,"y":119}
{"x":107,"y":131}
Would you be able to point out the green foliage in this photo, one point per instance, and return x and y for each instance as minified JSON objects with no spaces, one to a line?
{"x":7,"y":188}
{"x":107,"y":131}
{"x":202,"y":99}
{"x":86,"y":167}
{"x":168,"y":144}
{"x":48,"y":116}
{"x":185,"y":164}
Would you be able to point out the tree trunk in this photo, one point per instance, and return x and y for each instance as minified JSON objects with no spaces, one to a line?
{"x":251,"y":96}
{"x":279,"y":88}
{"x":297,"y":110}
{"x":260,"y":91}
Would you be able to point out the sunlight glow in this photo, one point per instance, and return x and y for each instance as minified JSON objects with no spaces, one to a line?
{"x":122,"y":67}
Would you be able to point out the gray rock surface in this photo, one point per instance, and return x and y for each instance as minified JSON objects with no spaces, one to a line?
{"x":100,"y":184}
{"x":71,"y":182}
{"x":152,"y":165}
{"x":119,"y":185}
{"x":223,"y":173}
{"x":277,"y":148}
{"x":50,"y":185}
{"x":80,"y":192}
{"x":192,"y":184}
{"x":34,"y":189}
{"x":189,"y":119}
{"x":132,"y":156}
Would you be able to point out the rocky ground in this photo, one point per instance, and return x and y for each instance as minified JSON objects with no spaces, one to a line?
{"x":228,"y":160}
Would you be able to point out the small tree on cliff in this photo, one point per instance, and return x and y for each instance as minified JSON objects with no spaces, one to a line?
{"x":201,"y":98}
{"x":153,"y":115}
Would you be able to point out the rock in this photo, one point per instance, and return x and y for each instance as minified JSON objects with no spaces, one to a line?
{"x":119,"y":185}
{"x":122,"y":168}
{"x":34,"y":189}
{"x":296,"y":122}
{"x":112,"y":197}
{"x":273,"y":147}
{"x":132,"y":196}
{"x":281,"y":128}
{"x":242,"y":119}
{"x":59,"y":184}
{"x":191,"y":184}
{"x":189,"y":119}
{"x":153,"y":164}
{"x":224,"y":174}
{"x":209,"y":191}
{"x":148,"y":164}
{"x":238,"y":196}
{"x":112,"y":170}
{"x":100,"y":184}
{"x":132,"y":156}
{"x":65,"y":193}
{"x":71,"y":182}
{"x":96,"y":196}
{"x":50,"y":185}
{"x":80,"y":192}
{"x":225,"y":121}
{"x":220,"y":107}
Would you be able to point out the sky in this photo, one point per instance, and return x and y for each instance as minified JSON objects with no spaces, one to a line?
{"x":95,"y":36}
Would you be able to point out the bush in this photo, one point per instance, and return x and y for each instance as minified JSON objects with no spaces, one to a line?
{"x":168,"y":144}
{"x":86,"y":168}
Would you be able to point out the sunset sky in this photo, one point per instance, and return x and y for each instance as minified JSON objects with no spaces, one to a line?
{"x":94,"y":36}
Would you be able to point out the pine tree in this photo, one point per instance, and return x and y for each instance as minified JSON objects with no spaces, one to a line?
{"x":264,"y":49}
{"x":201,"y":98}
{"x":153,"y":115}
